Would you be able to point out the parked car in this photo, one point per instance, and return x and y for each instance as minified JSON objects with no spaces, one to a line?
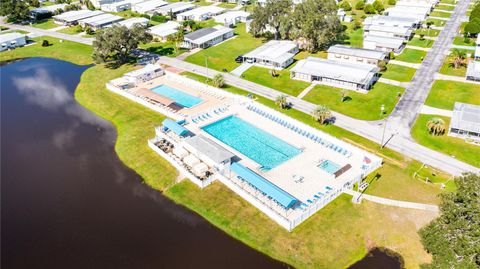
{"x":239,"y":59}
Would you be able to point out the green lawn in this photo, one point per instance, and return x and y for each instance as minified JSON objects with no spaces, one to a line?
{"x":208,"y":23}
{"x":462,"y":26}
{"x":355,"y":38}
{"x":460,"y":40}
{"x":228,"y":5}
{"x":439,"y":13}
{"x":127,"y":14}
{"x":445,"y":93}
{"x":45,"y":24}
{"x":399,"y":73}
{"x":444,"y":7}
{"x":411,"y":56}
{"x":447,"y":69}
{"x":449,"y":145}
{"x":72,"y":30}
{"x":202,"y":3}
{"x":223,"y":55}
{"x":427,"y":32}
{"x":452,"y":2}
{"x":425,"y":43}
{"x":436,"y":22}
{"x":163,"y":48}
{"x":358,"y":105}
{"x":281,"y":83}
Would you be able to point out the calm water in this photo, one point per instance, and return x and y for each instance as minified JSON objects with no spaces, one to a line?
{"x":377,"y":259}
{"x":68,"y":202}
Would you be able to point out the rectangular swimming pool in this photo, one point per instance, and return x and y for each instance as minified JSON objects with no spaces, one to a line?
{"x":181,"y":98}
{"x":329,"y":166}
{"x":265,"y":149}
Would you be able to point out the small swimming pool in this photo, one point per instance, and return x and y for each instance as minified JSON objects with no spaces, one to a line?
{"x":181,"y":98}
{"x":329,"y":166}
{"x":265,"y":149}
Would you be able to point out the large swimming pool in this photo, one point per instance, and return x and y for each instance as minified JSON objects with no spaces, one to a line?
{"x":258,"y":145}
{"x":182,"y":98}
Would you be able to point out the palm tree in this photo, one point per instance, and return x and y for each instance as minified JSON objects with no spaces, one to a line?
{"x":344,"y":95}
{"x":321,"y":113}
{"x":281,"y":101}
{"x":457,"y":58}
{"x":436,"y":126}
{"x":218,"y":80}
{"x":178,"y":37}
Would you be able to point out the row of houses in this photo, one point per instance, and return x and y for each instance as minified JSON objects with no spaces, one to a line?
{"x":473,"y":68}
{"x":12,"y":40}
{"x":96,"y":19}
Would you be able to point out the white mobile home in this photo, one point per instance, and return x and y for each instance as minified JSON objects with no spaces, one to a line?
{"x":381,"y":43}
{"x":273,"y":54}
{"x":100,"y":21}
{"x":148,"y":6}
{"x":417,"y":13}
{"x":473,"y":71}
{"x":346,"y":75}
{"x":390,"y":21}
{"x":356,"y":55}
{"x":162,"y":31}
{"x":233,"y":17}
{"x":415,"y":4}
{"x":174,"y":8}
{"x":12,"y":40}
{"x":129,"y":23}
{"x":149,"y":72}
{"x":207,"y":37}
{"x":388,"y":31}
{"x":465,"y":122}
{"x":47,"y":9}
{"x":200,"y":13}
{"x":72,"y":17}
{"x":117,"y":6}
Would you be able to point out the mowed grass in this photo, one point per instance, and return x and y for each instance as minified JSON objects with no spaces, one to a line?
{"x":438,"y":13}
{"x":223,"y":55}
{"x":436,"y":22}
{"x":449,"y":145}
{"x":461,"y":41}
{"x":445,"y":93}
{"x":425,"y":43}
{"x":66,"y":50}
{"x":398,"y":73}
{"x":444,"y":7}
{"x":427,"y":32}
{"x":72,"y":30}
{"x":355,"y":38}
{"x":45,"y":24}
{"x":447,"y":69}
{"x":163,"y":48}
{"x":411,"y":56}
{"x":282,"y":82}
{"x":357,"y":105}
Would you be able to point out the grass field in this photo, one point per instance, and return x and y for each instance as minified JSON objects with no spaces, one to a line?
{"x":358,"y":105}
{"x":163,"y":48}
{"x":460,"y":40}
{"x":398,"y":73}
{"x":445,"y":93}
{"x":438,"y":13}
{"x":447,"y":69}
{"x":282,"y":82}
{"x":451,"y":2}
{"x":355,"y":38}
{"x":427,"y":32}
{"x":436,"y":22}
{"x":45,"y":24}
{"x":449,"y":145}
{"x":425,"y":43}
{"x":72,"y":30}
{"x":411,"y":56}
{"x":444,"y":7}
{"x":223,"y":55}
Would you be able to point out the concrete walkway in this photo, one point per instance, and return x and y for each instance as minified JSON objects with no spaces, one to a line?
{"x":453,"y":46}
{"x":454,"y":78}
{"x":402,"y":63}
{"x":241,"y":69}
{"x":436,"y":111}
{"x":306,"y":91}
{"x":58,"y":28}
{"x":393,"y":82}
{"x":417,"y":48}
{"x":439,"y":18}
{"x":187,"y":53}
{"x":390,"y":202}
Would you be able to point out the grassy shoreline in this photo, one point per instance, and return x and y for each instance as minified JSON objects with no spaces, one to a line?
{"x":335,"y":237}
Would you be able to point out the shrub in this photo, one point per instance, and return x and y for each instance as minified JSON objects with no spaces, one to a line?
{"x":378,"y":6}
{"x":392,"y":2}
{"x":357,"y":25}
{"x":360,"y":5}
{"x":345,"y":5}
{"x":159,"y":18}
{"x":369,"y":9}
{"x":45,"y":43}
{"x":89,"y":31}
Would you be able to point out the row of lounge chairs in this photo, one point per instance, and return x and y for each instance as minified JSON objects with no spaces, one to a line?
{"x":316,"y":197}
{"x":300,"y":131}
{"x":211,"y":93}
{"x":209,"y":114}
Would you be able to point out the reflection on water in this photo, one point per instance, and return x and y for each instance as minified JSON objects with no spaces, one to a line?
{"x":378,"y":258}
{"x":68,"y":202}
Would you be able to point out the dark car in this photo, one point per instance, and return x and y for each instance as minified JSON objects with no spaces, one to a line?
{"x":239,"y":59}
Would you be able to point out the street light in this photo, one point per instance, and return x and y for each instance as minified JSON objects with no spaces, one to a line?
{"x":382,"y":109}
{"x":206,"y":64}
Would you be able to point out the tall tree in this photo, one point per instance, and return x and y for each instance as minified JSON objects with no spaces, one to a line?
{"x":276,"y":14}
{"x":321,"y":113}
{"x":316,"y":22}
{"x":14,"y":10}
{"x":453,"y":238}
{"x":457,"y":58}
{"x":436,"y":126}
{"x":281,"y":101}
{"x":117,"y":43}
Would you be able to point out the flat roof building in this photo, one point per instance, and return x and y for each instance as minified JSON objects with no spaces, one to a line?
{"x":129,"y":23}
{"x":147,"y":6}
{"x":275,"y":53}
{"x":174,"y":8}
{"x":207,"y":37}
{"x":100,"y":21}
{"x":391,"y":21}
{"x":473,"y":71}
{"x":356,"y":55}
{"x":346,"y":75}
{"x":382,"y":43}
{"x":162,"y":31}
{"x":72,"y":17}
{"x":417,"y":13}
{"x":116,"y":6}
{"x":12,"y":40}
{"x":207,"y":150}
{"x":421,"y":4}
{"x":231,"y":18}
{"x":465,"y":122}
{"x":48,"y":9}
{"x":388,"y":31}
{"x":200,"y":13}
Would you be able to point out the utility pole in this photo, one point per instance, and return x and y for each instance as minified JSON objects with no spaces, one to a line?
{"x":382,"y":109}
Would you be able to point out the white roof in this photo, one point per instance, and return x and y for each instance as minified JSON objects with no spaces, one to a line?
{"x":390,"y":42}
{"x":414,"y":4}
{"x":175,"y":7}
{"x":117,"y":4}
{"x":50,"y":8}
{"x":164,"y":29}
{"x":338,"y":70}
{"x":390,"y":20}
{"x":478,"y":40}
{"x":409,"y":9}
{"x":231,"y":16}
{"x":199,"y":11}
{"x":145,"y":70}
{"x":150,"y":5}
{"x":357,"y":52}
{"x":180,"y":152}
{"x":10,"y":37}
{"x":389,"y":29}
{"x":473,"y":69}
{"x":208,"y":147}
{"x":200,"y":169}
{"x":132,"y":21}
{"x":101,"y":19}
{"x":466,"y":117}
{"x":275,"y":50}
{"x":191,"y":160}
{"x":75,"y":15}
{"x":206,"y":34}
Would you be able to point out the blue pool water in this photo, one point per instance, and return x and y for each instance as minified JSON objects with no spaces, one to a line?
{"x":329,"y":166}
{"x":182,"y":98}
{"x":258,"y":145}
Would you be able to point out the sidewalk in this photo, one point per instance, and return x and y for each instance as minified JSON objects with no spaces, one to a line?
{"x":306,"y":91}
{"x":454,"y":78}
{"x":417,"y":48}
{"x":241,"y":69}
{"x":436,"y":111}
{"x":393,"y":82}
{"x":402,"y":63}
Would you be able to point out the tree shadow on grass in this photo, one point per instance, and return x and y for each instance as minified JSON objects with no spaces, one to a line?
{"x":162,"y":51}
